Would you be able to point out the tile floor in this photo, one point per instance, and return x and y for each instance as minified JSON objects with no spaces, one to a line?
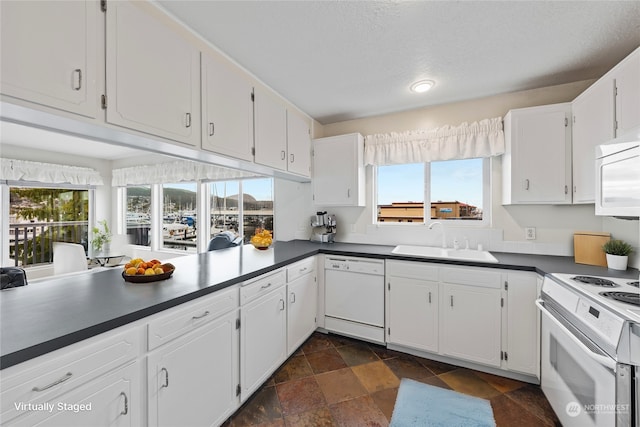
{"x":337,"y":381}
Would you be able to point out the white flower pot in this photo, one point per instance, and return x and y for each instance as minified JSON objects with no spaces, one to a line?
{"x":617,"y":262}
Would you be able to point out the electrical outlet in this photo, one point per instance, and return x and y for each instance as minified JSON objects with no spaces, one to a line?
{"x":530,"y":233}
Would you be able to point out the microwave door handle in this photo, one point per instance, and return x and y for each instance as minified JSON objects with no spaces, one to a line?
{"x":603,"y":360}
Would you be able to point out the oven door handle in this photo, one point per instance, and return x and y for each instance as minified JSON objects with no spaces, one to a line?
{"x":605,"y":361}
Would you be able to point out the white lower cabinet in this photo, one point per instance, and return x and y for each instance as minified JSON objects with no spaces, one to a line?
{"x":412,"y":305}
{"x":470,"y":321}
{"x":302,"y":294}
{"x":482,"y":315}
{"x":522,"y":323}
{"x":263,"y":332}
{"x":193,"y":380}
{"x":111,"y":400}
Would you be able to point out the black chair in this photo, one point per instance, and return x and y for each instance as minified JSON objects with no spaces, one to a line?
{"x":223,"y":240}
{"x":12,"y":277}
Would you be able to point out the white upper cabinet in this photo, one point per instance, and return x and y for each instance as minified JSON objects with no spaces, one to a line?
{"x":536,"y":166}
{"x":298,"y":144}
{"x":338,"y":170}
{"x":270,"y":130}
{"x":627,"y":81}
{"x":153,"y":75}
{"x":607,"y":109}
{"x":227,"y":109}
{"x":49,"y":53}
{"x":593,"y":124}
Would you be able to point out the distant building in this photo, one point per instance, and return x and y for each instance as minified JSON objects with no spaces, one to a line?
{"x":414,"y":211}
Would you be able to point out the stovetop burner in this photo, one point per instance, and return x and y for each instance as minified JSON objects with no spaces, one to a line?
{"x":628,"y":297}
{"x":596,"y":281}
{"x":636,"y":283}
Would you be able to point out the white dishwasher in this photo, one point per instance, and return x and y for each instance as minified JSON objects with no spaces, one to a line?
{"x":354,"y":297}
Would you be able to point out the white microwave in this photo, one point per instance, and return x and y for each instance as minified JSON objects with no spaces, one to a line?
{"x":618,"y":179}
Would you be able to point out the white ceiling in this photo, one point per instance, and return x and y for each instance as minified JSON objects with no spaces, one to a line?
{"x":339,"y":60}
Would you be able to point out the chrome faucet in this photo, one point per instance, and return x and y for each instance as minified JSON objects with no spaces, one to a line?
{"x":444,"y":235}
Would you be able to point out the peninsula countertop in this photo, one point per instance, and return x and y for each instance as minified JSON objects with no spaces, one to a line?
{"x":50,"y":314}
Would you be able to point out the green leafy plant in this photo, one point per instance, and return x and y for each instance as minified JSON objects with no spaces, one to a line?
{"x":100,"y":236}
{"x":617,"y":247}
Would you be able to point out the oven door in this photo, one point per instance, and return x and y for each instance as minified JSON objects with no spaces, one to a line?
{"x":576,"y":376}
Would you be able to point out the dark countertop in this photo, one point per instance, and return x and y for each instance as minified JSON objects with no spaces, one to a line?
{"x":50,"y":314}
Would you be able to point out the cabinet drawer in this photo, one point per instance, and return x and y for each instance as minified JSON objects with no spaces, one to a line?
{"x":48,"y":380}
{"x":182,"y":320}
{"x":300,"y":268}
{"x":412,"y":270}
{"x":484,"y":277}
{"x":253,"y":289}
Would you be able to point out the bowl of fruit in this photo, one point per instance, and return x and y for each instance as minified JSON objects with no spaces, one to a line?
{"x":139,"y":271}
{"x":262,"y":239}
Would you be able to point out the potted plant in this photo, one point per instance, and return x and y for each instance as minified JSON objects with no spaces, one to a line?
{"x":101,"y":236}
{"x":617,"y":252}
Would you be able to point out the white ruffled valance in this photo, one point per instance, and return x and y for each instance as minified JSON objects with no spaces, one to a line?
{"x":171,"y":172}
{"x":478,"y":139}
{"x":48,"y":173}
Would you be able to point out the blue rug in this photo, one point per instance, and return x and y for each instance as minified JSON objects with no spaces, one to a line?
{"x":423,"y":405}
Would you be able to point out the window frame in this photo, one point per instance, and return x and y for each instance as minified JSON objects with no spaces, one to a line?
{"x":486,"y":201}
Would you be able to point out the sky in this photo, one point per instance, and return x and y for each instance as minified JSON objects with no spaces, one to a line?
{"x":459,"y":180}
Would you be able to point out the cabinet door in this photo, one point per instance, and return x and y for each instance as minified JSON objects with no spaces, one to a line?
{"x":227,"y":109}
{"x":593,"y":124}
{"x":270,"y":130}
{"x":49,"y":53}
{"x":413,"y":313}
{"x":522,"y":324}
{"x":627,"y":78}
{"x":338,"y":171}
{"x":112,"y":400}
{"x":302,"y":306}
{"x":535,"y":137}
{"x":153,"y":76}
{"x":192,"y":381}
{"x":263,"y":338}
{"x":298,"y":144}
{"x":470,"y":323}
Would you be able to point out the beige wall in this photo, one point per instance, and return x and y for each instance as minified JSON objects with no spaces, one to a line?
{"x":554,"y":225}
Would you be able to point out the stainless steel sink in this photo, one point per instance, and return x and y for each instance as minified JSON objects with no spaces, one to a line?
{"x":433,"y":252}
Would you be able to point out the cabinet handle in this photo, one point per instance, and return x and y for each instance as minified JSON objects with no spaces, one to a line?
{"x":187,"y":118}
{"x":451,"y":300}
{"x":125,"y":411}
{"x":566,"y":189}
{"x":429,"y":297}
{"x":265,"y":286}
{"x":205,"y":314}
{"x":281,"y":305}
{"x":77,"y":82}
{"x":575,"y":189}
{"x":293,"y":298}
{"x":526,"y":184}
{"x":212,"y":129}
{"x":166,"y":378}
{"x":292,"y":157}
{"x":55,"y":383}
{"x":302,"y":270}
{"x":283,"y":155}
{"x":348,"y":193}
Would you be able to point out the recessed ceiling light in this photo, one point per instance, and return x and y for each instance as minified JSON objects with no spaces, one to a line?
{"x":422,"y":86}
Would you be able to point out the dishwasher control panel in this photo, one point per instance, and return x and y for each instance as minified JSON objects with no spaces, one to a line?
{"x":355,"y":265}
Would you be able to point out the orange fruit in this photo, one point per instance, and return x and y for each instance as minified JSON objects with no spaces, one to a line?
{"x":140,"y":270}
